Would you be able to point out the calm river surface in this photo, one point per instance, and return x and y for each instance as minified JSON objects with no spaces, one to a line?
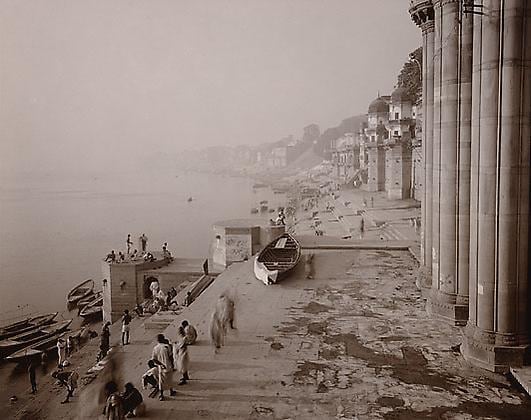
{"x":55,"y":231}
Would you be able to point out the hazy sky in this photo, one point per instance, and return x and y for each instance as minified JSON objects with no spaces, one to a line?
{"x":84,"y":84}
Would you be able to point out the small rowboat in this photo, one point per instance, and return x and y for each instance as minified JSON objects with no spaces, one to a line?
{"x":36,"y":349}
{"x":277,"y":259}
{"x":254,"y":210}
{"x":89,"y":299}
{"x":93,"y":309}
{"x":19,"y":341}
{"x":80,"y":291}
{"x":25,"y":325}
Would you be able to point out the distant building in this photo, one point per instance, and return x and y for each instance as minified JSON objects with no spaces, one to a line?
{"x":345,"y":157}
{"x":376,"y":134}
{"x":398,"y":167}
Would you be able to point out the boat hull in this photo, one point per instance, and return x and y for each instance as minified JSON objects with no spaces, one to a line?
{"x":16,"y":343}
{"x":79,"y":292}
{"x":26,"y":326}
{"x":35,"y":350}
{"x":277,"y":259}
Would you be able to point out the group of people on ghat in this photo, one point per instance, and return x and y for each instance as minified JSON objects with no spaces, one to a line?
{"x":169,"y":364}
{"x":65,"y":376}
{"x":135,"y":255}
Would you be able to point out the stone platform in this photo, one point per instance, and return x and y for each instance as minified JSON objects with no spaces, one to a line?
{"x":354,"y":342}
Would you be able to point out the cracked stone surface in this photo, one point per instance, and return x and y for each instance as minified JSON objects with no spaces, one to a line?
{"x":354,"y":342}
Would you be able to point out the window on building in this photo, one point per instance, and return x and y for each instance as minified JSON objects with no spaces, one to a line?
{"x":396,"y":132}
{"x":397,"y":115}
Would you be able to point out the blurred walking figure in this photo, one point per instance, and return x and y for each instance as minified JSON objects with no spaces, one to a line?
{"x":61,"y":352}
{"x":225,"y":311}
{"x":362,"y":227}
{"x":217,"y":332}
{"x":114,"y":408}
{"x":308,"y":266}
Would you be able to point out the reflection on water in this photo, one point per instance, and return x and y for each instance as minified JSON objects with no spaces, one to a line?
{"x":54,"y":232}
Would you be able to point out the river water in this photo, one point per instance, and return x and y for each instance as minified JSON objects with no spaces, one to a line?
{"x":54,"y":230}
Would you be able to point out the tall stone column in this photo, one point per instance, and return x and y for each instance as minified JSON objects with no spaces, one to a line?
{"x":436,"y":158}
{"x":422,"y":14}
{"x":498,"y":330}
{"x":443,"y":299}
{"x":463,"y":158}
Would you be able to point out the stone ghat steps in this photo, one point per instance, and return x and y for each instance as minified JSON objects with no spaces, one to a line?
{"x":162,"y":319}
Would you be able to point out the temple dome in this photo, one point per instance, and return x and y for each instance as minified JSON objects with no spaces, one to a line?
{"x":379,"y":105}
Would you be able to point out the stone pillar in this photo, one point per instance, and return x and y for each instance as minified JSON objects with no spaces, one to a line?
{"x":463,"y":158}
{"x":436,"y":168}
{"x":422,"y":14}
{"x":498,"y":330}
{"x":443,"y":299}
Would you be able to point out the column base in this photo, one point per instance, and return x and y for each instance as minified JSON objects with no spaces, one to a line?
{"x":423,"y":281}
{"x":443,"y":306}
{"x":494,"y":357}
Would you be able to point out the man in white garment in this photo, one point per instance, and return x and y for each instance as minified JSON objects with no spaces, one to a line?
{"x":162,"y":353}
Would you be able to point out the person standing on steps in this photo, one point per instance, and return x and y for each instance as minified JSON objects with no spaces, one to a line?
{"x":126,"y":320}
{"x":162,"y":353}
{"x":32,"y":374}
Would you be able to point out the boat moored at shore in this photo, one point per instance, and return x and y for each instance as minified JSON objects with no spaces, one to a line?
{"x":277,"y":259}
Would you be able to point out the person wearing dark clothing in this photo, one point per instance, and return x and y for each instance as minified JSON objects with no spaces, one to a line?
{"x":104,"y":341}
{"x":68,"y":379}
{"x":132,"y":398}
{"x":205,"y":267}
{"x":143,"y":242}
{"x":126,"y":320}
{"x":111,"y":257}
{"x":114,"y":408}
{"x":32,"y":375}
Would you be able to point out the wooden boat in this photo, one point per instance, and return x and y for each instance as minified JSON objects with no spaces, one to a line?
{"x":10,"y":345}
{"x":36,"y":349}
{"x":27,"y":324}
{"x":254,"y":210}
{"x":80,"y":291}
{"x":277,"y":259}
{"x":89,"y":299}
{"x":93,"y":309}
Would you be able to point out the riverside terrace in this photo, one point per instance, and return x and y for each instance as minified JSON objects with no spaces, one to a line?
{"x":353,"y":342}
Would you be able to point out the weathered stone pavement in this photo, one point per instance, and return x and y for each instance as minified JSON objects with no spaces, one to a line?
{"x":354,"y":342}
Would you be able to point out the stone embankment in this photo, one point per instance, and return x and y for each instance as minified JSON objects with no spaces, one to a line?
{"x":352,"y":342}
